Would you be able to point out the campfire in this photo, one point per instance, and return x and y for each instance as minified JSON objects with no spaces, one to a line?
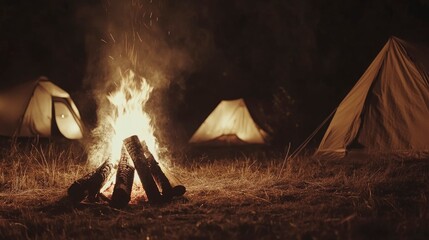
{"x":131,"y":148}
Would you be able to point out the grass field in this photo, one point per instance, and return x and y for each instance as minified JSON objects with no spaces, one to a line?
{"x":245,"y":196}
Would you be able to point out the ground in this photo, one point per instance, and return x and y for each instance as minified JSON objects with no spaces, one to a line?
{"x":245,"y":196}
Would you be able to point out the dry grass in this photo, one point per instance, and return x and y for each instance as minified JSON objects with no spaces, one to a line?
{"x":262,"y":196}
{"x":32,"y":167}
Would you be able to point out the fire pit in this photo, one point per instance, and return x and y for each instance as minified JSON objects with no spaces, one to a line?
{"x":132,"y":148}
{"x":148,"y":170}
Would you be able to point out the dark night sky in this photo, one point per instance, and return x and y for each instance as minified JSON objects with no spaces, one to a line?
{"x":265,"y":51}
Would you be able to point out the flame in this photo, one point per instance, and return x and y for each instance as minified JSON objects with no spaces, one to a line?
{"x":128,"y":117}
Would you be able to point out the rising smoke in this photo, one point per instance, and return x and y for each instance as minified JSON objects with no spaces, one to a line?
{"x":140,"y":35}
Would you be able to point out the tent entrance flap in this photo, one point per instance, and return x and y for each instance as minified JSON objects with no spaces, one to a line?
{"x":66,"y":120}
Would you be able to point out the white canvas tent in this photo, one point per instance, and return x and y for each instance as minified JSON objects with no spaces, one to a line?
{"x":230,"y":123}
{"x":35,"y":108}
{"x":387,"y":111}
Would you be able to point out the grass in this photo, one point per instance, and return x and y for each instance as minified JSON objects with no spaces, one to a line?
{"x":245,"y":196}
{"x":32,"y":167}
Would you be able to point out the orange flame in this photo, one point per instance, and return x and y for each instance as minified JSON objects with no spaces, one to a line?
{"x":128,"y":117}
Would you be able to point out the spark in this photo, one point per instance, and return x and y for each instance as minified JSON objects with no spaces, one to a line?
{"x":112,"y":37}
{"x":138,"y":35}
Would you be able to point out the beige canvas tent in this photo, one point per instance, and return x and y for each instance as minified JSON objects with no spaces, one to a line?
{"x":230,"y":123}
{"x":37,"y":107}
{"x":387,"y":110}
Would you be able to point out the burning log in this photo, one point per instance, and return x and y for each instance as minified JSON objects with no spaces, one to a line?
{"x":90,"y":184}
{"x":124,"y":181}
{"x":158,"y":175}
{"x":136,"y":152}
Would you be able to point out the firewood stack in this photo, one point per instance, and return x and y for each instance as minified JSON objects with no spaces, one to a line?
{"x":151,"y":177}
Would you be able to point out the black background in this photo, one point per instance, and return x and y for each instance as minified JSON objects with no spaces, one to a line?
{"x":292,"y":60}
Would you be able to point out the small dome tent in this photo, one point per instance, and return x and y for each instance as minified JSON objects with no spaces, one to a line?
{"x":38,"y":108}
{"x":230,"y":123}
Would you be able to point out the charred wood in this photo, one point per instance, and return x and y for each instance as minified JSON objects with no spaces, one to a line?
{"x":90,"y":184}
{"x":136,"y":152}
{"x":124,"y":181}
{"x":158,"y":175}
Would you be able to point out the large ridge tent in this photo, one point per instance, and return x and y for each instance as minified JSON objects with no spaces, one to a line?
{"x":230,"y":123}
{"x":387,"y":111}
{"x":38,"y":108}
